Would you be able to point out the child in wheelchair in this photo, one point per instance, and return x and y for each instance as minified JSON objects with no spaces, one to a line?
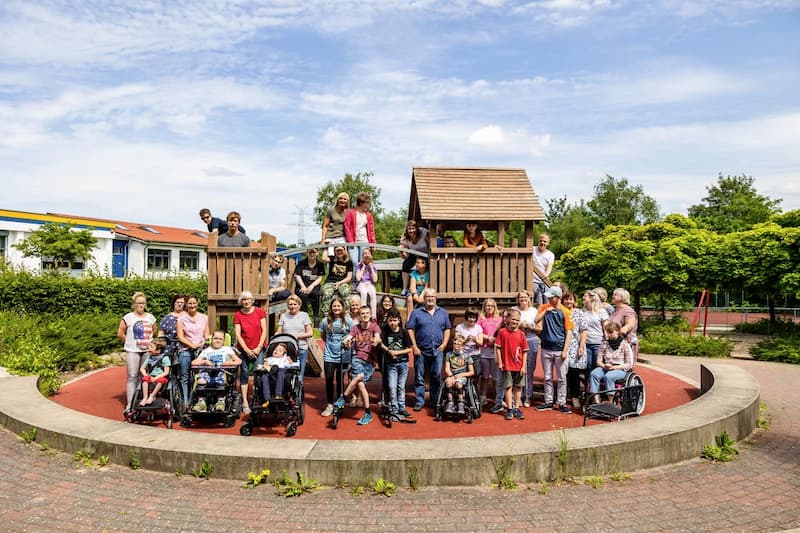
{"x":217,"y":357}
{"x":155,"y":370}
{"x":613,"y":361}
{"x":457,"y":368}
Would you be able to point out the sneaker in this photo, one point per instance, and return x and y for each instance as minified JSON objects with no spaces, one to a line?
{"x":518,"y":414}
{"x":419,"y":407}
{"x":265,"y":404}
{"x":526,"y":403}
{"x":497,"y":408}
{"x":544,"y":407}
{"x":461,"y":408}
{"x":200,"y":406}
{"x":398,"y":416}
{"x":366,"y":419}
{"x":220,"y":405}
{"x":450,"y":409}
{"x":339,"y":404}
{"x":576,"y":404}
{"x":405,"y":293}
{"x":564,"y":409}
{"x":405,"y":413}
{"x":509,"y":414}
{"x":328,"y":411}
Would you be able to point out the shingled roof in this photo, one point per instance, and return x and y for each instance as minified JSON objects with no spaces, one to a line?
{"x":473,"y":194}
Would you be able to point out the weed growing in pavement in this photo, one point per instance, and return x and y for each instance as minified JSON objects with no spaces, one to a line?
{"x":563,"y":453}
{"x":619,"y":477}
{"x":724,"y":451}
{"x":544,"y":488}
{"x":179,"y":472}
{"x":28,"y":436}
{"x":133,"y":461}
{"x":594,"y":481}
{"x":381,"y":486}
{"x":288,"y":487}
{"x":413,"y":477}
{"x":103,"y":460}
{"x":764,"y":417}
{"x":205,"y":471}
{"x":357,"y":489}
{"x":84,"y":456}
{"x":254,"y":480}
{"x":501,"y":469}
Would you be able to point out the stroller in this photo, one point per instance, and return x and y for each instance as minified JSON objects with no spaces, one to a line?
{"x":168,"y":402}
{"x":288,"y":409}
{"x":227,"y":405}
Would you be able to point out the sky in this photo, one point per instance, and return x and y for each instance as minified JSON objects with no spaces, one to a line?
{"x":147,"y":111}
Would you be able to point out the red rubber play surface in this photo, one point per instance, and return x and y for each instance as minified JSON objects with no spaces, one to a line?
{"x":103,"y":394}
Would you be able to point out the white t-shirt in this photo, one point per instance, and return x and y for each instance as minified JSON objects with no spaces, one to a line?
{"x":542,"y":260}
{"x":361,"y":227}
{"x":470,"y":347}
{"x":139,"y":331}
{"x":218,"y":356}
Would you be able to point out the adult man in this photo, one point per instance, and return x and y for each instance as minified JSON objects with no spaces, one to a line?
{"x":233,"y":238}
{"x":308,"y":275}
{"x":543,"y":260}
{"x":214,"y":223}
{"x":429,"y":330}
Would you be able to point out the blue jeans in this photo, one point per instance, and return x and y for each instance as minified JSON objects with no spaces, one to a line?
{"x":609,"y":376}
{"x":302,"y":357}
{"x":433,"y":366}
{"x":397,"y":374}
{"x":185,"y":360}
{"x":592,"y":351}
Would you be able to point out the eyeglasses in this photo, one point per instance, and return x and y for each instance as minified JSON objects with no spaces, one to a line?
{"x":205,"y":217}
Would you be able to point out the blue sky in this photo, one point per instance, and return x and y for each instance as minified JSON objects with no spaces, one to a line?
{"x":147,"y":111}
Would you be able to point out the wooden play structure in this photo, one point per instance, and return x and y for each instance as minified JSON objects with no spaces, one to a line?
{"x":442,"y":199}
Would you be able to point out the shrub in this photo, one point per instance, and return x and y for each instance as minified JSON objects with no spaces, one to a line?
{"x":672,"y":343}
{"x":784,"y":349}
{"x":765,"y":327}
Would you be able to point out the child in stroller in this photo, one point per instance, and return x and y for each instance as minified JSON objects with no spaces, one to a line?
{"x":274,"y":372}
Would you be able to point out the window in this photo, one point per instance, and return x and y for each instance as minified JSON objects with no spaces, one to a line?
{"x":189,"y":260}
{"x":3,"y":244}
{"x":157,"y":259}
{"x":48,"y":263}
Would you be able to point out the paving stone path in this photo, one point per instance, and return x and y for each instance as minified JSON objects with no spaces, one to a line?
{"x":759,"y":491}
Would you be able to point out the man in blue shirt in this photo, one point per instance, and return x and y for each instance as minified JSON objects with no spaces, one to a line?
{"x":429,"y":330}
{"x":214,"y":223}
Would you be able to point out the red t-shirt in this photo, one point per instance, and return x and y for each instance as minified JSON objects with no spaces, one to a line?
{"x":251,"y":326}
{"x":512,"y":345}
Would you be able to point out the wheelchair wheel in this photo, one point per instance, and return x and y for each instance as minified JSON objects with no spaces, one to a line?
{"x":291,"y":429}
{"x":169,"y":423}
{"x":474,"y":400}
{"x":633,"y":379}
{"x":246,"y":430}
{"x":230,"y":421}
{"x":186,"y":421}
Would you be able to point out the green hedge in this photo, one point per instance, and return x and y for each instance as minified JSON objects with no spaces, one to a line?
{"x":22,"y":291}
{"x":784,"y":349}
{"x":765,"y":327}
{"x":669,"y":342}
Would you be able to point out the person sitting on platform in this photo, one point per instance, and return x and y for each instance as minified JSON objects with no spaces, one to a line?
{"x":277,"y":280}
{"x":340,"y":274}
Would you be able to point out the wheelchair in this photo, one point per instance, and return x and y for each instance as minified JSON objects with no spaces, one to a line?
{"x":472,"y":403}
{"x":627,"y":399}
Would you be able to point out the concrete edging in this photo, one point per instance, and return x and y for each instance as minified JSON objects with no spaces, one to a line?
{"x":730,"y":402}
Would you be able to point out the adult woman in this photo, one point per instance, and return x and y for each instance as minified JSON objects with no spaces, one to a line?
{"x":387,"y":303}
{"x":591,"y":332}
{"x":136,"y":331}
{"x":414,"y":238}
{"x":333,"y":225}
{"x":490,"y":320}
{"x":192,"y":334}
{"x":168,"y":327}
{"x":527,"y":322}
{"x":297,"y":323}
{"x":340,"y":274}
{"x":250,"y":329}
{"x":576,"y":361}
{"x":625,"y":316}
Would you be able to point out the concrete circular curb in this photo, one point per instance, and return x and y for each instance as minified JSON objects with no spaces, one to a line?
{"x":729,"y":402}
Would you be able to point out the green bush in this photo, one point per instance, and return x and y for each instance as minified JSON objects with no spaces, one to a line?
{"x":654,"y":323}
{"x":765,"y":327}
{"x":784,"y":349}
{"x":662,"y":341}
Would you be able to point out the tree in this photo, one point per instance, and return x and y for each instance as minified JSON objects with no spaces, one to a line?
{"x":733,"y":204}
{"x":391,"y":225}
{"x":789,"y":219}
{"x":567,"y":224}
{"x":352,"y":185}
{"x":60,"y":242}
{"x":615,"y":202}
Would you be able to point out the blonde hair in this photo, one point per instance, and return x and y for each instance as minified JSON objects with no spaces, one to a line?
{"x":624,"y":295}
{"x":490,"y":301}
{"x":295,"y":298}
{"x":135,"y":296}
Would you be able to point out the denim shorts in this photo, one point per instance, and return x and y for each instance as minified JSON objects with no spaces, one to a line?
{"x":359,"y":366}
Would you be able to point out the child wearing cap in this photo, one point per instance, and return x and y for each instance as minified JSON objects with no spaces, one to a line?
{"x":557,"y":326}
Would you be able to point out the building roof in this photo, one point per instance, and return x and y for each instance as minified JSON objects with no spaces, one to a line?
{"x":39,"y":218}
{"x":473,"y":194}
{"x":155,"y":233}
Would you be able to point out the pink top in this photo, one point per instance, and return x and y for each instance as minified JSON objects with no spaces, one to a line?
{"x":194,"y":330}
{"x":489,"y":326}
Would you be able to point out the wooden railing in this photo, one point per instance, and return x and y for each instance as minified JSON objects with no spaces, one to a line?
{"x":465,"y":273}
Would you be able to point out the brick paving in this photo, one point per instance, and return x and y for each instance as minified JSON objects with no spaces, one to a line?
{"x":759,"y":491}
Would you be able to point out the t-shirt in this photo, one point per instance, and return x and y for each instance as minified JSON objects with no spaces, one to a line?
{"x":422,"y":243}
{"x":362,"y":337}
{"x":333,"y":339}
{"x":237,"y":240}
{"x":470,"y":348}
{"x":336,"y":225}
{"x":459,"y":362}
{"x":139,"y":331}
{"x":217,"y":356}
{"x":361,"y":227}
{"x":620,"y":314}
{"x":512,"y":345}
{"x":337,"y":270}
{"x":420,"y":280}
{"x":251,"y":326}
{"x":593,"y":325}
{"x":527,"y":317}
{"x":169,"y":327}
{"x":221,"y":226}
{"x":489,"y":326}
{"x":194,"y":330}
{"x":396,"y":340}
{"x":366,"y":275}
{"x":296,"y":325}
{"x":542,"y":260}
{"x":276,"y":276}
{"x":555,"y":326}
{"x":156,"y":365}
{"x":308,"y":273}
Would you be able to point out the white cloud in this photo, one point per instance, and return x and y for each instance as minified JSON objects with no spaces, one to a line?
{"x":487,"y":136}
